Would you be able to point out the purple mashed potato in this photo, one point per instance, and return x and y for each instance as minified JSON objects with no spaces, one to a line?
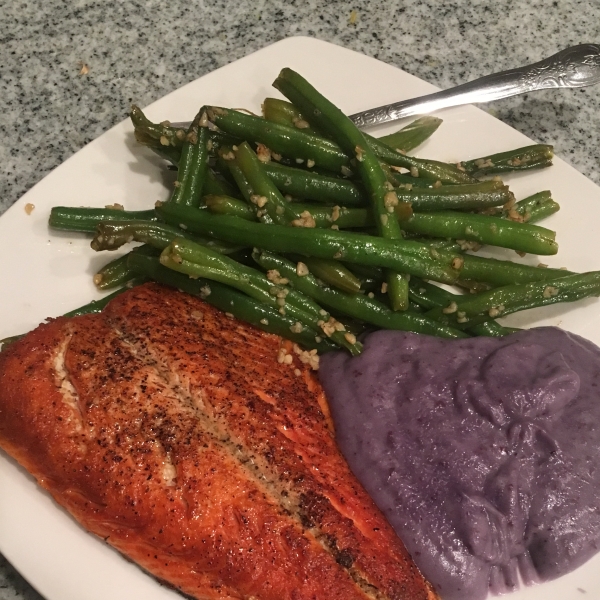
{"x":482,"y":453}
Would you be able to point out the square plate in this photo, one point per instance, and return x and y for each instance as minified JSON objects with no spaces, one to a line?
{"x":47,"y":273}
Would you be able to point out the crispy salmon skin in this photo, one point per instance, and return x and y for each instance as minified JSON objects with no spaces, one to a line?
{"x":172,"y":431}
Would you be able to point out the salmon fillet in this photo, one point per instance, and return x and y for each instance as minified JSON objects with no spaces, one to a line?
{"x":172,"y":431}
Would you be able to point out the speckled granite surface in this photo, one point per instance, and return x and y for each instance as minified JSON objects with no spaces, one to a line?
{"x":143,"y":49}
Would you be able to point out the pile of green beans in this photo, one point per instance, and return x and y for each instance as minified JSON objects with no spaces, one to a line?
{"x":306,"y":227}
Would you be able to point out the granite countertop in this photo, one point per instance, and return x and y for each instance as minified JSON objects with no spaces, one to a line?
{"x":68,"y":71}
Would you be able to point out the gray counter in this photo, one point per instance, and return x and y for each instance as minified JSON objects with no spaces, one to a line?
{"x":69,"y":70}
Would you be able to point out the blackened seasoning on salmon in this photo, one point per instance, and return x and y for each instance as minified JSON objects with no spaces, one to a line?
{"x":482,"y":453}
{"x":171,"y":431}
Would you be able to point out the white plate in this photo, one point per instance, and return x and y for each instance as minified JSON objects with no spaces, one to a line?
{"x":46,"y":274}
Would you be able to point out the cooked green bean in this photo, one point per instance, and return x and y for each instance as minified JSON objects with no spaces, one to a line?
{"x":288,"y":141}
{"x":536,"y":207}
{"x":412,"y":135}
{"x":193,"y":167}
{"x":433,"y":170}
{"x":430,"y":296}
{"x":389,"y":208}
{"x":112,"y":235}
{"x":333,"y":273}
{"x":229,"y":165}
{"x":403,"y":140}
{"x":197,"y":261}
{"x":308,"y":185}
{"x":351,"y":140}
{"x":483,"y":229}
{"x":163,"y":132}
{"x":266,"y":198}
{"x":409,"y":257}
{"x":71,"y":218}
{"x":469,"y":196}
{"x":295,"y":88}
{"x":117,"y":272}
{"x":236,"y":303}
{"x":226,"y":205}
{"x":493,"y":230}
{"x":218,"y":187}
{"x":285,"y":113}
{"x":520,"y":159}
{"x":357,"y":306}
{"x":323,"y":216}
{"x":501,"y":301}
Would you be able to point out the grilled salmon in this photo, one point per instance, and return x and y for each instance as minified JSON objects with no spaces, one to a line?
{"x":186,"y":440}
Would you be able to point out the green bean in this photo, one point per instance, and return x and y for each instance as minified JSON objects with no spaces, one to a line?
{"x":483,"y":229}
{"x":171,"y":139}
{"x":403,"y":140}
{"x":324,"y":216}
{"x":285,"y":113}
{"x":218,"y":187}
{"x":356,"y":306}
{"x":419,"y":167}
{"x":225,"y":205}
{"x":266,"y":197}
{"x":294,"y":143}
{"x":520,"y":159}
{"x":409,"y":257}
{"x":231,"y":301}
{"x":470,"y":196}
{"x":117,"y":272}
{"x":196,"y":261}
{"x":406,"y":181}
{"x":171,"y":154}
{"x":163,"y":132}
{"x":503,"y":272}
{"x":112,"y":235}
{"x":536,"y":207}
{"x":294,"y":87}
{"x":193,"y":167}
{"x":308,"y":185}
{"x":371,"y":278}
{"x":248,"y":279}
{"x":501,"y":301}
{"x":353,"y":142}
{"x":68,"y":218}
{"x":412,"y":135}
{"x":336,"y":216}
{"x":333,"y":273}
{"x":437,"y":244}
{"x":407,"y":138}
{"x":230,"y":165}
{"x":290,"y":142}
{"x":529,"y":210}
{"x":430,"y":296}
{"x":305,"y":184}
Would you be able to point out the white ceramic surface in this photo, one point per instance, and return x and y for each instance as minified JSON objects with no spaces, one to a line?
{"x":45,"y":273}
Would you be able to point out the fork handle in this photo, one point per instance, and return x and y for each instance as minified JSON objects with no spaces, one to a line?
{"x":577,"y":66}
